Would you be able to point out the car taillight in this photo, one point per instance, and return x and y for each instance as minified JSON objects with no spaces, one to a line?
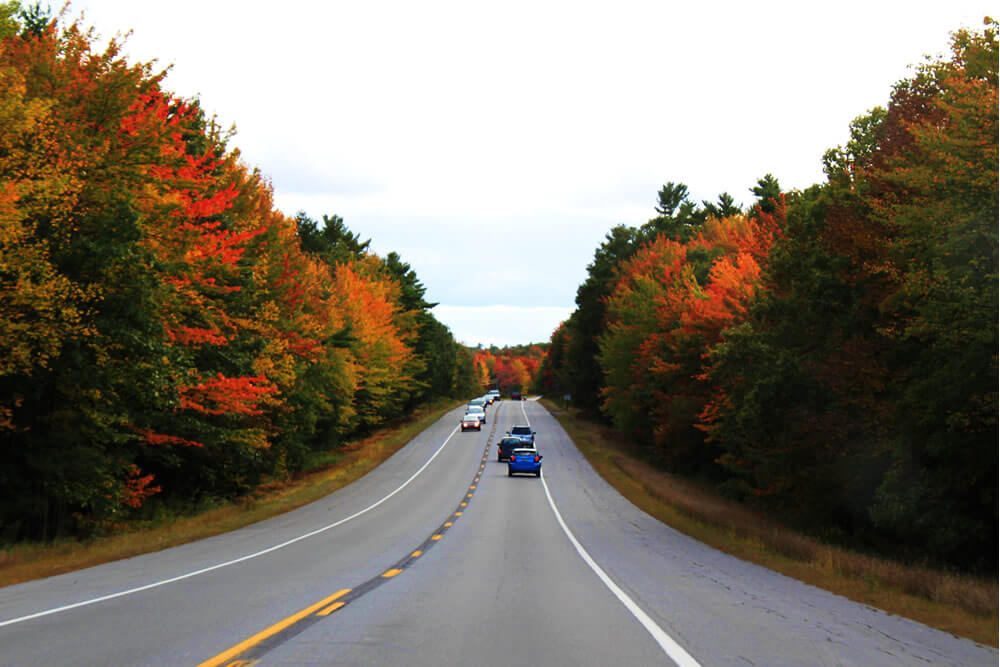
{"x":537,"y":459}
{"x":513,"y":458}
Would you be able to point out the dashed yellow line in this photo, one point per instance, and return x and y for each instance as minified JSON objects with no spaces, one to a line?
{"x":326,"y":606}
{"x":250,"y":642}
{"x":332,"y":608}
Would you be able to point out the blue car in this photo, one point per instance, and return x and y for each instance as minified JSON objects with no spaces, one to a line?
{"x":524,"y":460}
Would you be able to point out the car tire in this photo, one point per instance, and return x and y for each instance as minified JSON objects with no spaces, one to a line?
{"x":509,"y":473}
{"x":538,"y":474}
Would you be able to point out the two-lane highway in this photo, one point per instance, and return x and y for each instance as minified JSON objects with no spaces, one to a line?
{"x":508,"y":588}
{"x":444,"y":559}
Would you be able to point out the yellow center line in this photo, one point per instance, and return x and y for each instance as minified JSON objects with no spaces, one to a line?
{"x":465,"y":504}
{"x":250,"y":642}
{"x":448,"y":524}
{"x":332,"y":608}
{"x":324,"y":607}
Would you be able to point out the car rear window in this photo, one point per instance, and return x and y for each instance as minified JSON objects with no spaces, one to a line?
{"x":525,"y":452}
{"x":521,"y":430}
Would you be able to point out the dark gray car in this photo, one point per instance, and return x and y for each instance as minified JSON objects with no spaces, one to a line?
{"x":507,"y":445}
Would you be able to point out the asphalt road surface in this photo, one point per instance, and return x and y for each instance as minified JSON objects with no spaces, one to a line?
{"x":439,"y":558}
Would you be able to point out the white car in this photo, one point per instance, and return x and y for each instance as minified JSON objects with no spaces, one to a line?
{"x":477,"y":411}
{"x":471,"y":422}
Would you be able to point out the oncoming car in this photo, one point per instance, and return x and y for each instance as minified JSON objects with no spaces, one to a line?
{"x":478,"y":411}
{"x":524,"y":460}
{"x":470,"y":422}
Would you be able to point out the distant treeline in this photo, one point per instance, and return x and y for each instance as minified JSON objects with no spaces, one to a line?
{"x":509,"y":369}
{"x":830,"y":354}
{"x":167,"y":337}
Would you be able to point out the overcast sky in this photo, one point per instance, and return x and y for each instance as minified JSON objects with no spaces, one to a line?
{"x":493,"y":145}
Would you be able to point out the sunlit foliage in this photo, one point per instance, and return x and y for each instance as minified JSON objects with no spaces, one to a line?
{"x":166,"y":335}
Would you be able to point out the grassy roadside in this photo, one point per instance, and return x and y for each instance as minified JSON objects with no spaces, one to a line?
{"x":963,"y":606}
{"x":34,"y":561}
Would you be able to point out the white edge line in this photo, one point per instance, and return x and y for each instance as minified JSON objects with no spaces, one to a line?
{"x":666,"y":642}
{"x":188,"y":575}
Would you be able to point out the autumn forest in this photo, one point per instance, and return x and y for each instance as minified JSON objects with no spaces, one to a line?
{"x":168,"y":337}
{"x":828,"y":356}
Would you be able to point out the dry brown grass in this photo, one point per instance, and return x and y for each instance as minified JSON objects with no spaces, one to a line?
{"x":961,"y":605}
{"x":26,"y":562}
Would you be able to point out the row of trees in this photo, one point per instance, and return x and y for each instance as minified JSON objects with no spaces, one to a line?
{"x":831,"y":354}
{"x":165,"y":332}
{"x":509,"y":369}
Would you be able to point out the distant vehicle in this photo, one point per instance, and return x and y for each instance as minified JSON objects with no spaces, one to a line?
{"x":470,"y":422}
{"x":524,"y":460}
{"x":494,"y":395}
{"x":506,"y":446}
{"x":481,"y":402}
{"x":515,"y":396}
{"x":522,"y":433}
{"x":478,"y":411}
